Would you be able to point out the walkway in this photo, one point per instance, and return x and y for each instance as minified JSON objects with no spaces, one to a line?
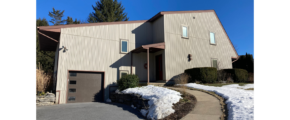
{"x":207,"y":107}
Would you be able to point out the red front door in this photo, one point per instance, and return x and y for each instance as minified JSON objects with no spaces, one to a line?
{"x":159,"y":72}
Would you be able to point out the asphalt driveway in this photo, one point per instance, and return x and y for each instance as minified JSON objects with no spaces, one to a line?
{"x":88,"y":111}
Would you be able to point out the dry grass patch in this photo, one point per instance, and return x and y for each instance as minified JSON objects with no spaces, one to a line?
{"x":43,"y":80}
{"x":250,"y":89}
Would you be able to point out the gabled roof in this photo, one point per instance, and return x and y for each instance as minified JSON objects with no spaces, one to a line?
{"x":57,"y":29}
{"x":176,"y":12}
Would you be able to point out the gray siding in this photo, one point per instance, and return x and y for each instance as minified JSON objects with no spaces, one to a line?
{"x":158,"y":30}
{"x":97,"y":48}
{"x":198,"y":45}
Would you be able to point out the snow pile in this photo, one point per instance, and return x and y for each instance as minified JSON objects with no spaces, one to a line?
{"x":247,"y":86}
{"x":160,"y":101}
{"x":240,"y":102}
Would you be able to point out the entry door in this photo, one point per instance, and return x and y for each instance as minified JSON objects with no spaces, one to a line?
{"x":159,"y":72}
{"x":85,"y":87}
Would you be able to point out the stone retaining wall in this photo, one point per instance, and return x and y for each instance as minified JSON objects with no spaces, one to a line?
{"x":130,"y":99}
{"x":47,"y":99}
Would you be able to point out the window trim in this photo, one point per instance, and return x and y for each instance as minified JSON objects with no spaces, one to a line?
{"x":187,"y":28}
{"x":121,"y":45}
{"x":121,"y":71}
{"x":214,"y":39}
{"x":211,"y":60}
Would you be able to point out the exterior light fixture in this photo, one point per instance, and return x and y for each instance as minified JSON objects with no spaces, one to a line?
{"x":189,"y":57}
{"x":64,"y":49}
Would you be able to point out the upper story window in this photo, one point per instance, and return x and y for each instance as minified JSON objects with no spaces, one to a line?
{"x":124,"y":46}
{"x":185,"y":31}
{"x":212,"y":38}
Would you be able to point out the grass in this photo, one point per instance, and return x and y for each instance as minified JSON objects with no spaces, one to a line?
{"x":250,"y":89}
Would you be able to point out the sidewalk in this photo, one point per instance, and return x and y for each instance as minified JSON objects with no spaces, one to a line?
{"x":207,"y":107}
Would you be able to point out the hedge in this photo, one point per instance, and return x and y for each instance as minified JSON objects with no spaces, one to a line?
{"x":204,"y":74}
{"x":239,"y":75}
{"x":128,"y":81}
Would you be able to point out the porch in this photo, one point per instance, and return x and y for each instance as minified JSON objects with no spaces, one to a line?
{"x":154,"y":65}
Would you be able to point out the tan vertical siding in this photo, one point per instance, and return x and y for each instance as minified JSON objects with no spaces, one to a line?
{"x":158,"y":30}
{"x":97,"y":48}
{"x":198,"y":44}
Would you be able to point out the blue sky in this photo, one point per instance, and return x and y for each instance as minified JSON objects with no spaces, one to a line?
{"x":237,"y":16}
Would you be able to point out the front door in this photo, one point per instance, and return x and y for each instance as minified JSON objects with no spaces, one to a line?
{"x":159,"y":72}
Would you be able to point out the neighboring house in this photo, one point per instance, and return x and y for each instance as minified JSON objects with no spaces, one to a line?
{"x":90,"y":58}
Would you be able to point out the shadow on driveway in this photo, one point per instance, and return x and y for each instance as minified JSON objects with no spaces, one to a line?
{"x":88,"y":111}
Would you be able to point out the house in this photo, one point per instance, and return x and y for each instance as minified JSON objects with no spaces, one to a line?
{"x":90,"y":58}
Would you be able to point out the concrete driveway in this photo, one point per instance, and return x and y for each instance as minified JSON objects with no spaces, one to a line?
{"x":88,"y":111}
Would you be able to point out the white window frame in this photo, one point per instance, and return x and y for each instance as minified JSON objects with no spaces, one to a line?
{"x":216,"y":62}
{"x":123,"y":71}
{"x":186,"y":31}
{"x":121,"y":45}
{"x":210,"y":39}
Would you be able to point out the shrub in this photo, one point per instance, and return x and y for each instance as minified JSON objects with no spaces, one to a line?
{"x":182,"y":79}
{"x":204,"y":74}
{"x":251,"y":77}
{"x":128,"y":81}
{"x":239,"y":75}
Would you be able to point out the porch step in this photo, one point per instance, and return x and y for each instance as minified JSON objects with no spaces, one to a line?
{"x":157,"y":84}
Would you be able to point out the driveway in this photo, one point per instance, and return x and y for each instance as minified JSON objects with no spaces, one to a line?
{"x":88,"y":111}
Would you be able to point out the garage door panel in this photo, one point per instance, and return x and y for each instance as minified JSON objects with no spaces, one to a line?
{"x":85,"y":87}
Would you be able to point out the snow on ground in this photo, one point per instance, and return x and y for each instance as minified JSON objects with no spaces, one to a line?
{"x":160,"y":101}
{"x":240,"y":102}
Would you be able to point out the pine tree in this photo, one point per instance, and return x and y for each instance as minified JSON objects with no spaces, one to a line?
{"x":69,"y":20}
{"x":107,"y":11}
{"x":245,"y":62}
{"x":56,"y":17}
{"x":45,"y":58}
{"x":77,"y":21}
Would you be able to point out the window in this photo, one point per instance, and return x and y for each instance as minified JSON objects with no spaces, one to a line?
{"x":123,"y":72}
{"x":124,"y":46}
{"x":72,"y":90}
{"x":72,"y":82}
{"x":212,"y":38}
{"x":184,"y":31}
{"x":71,"y":98}
{"x":72,"y":74}
{"x":214,"y":63}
